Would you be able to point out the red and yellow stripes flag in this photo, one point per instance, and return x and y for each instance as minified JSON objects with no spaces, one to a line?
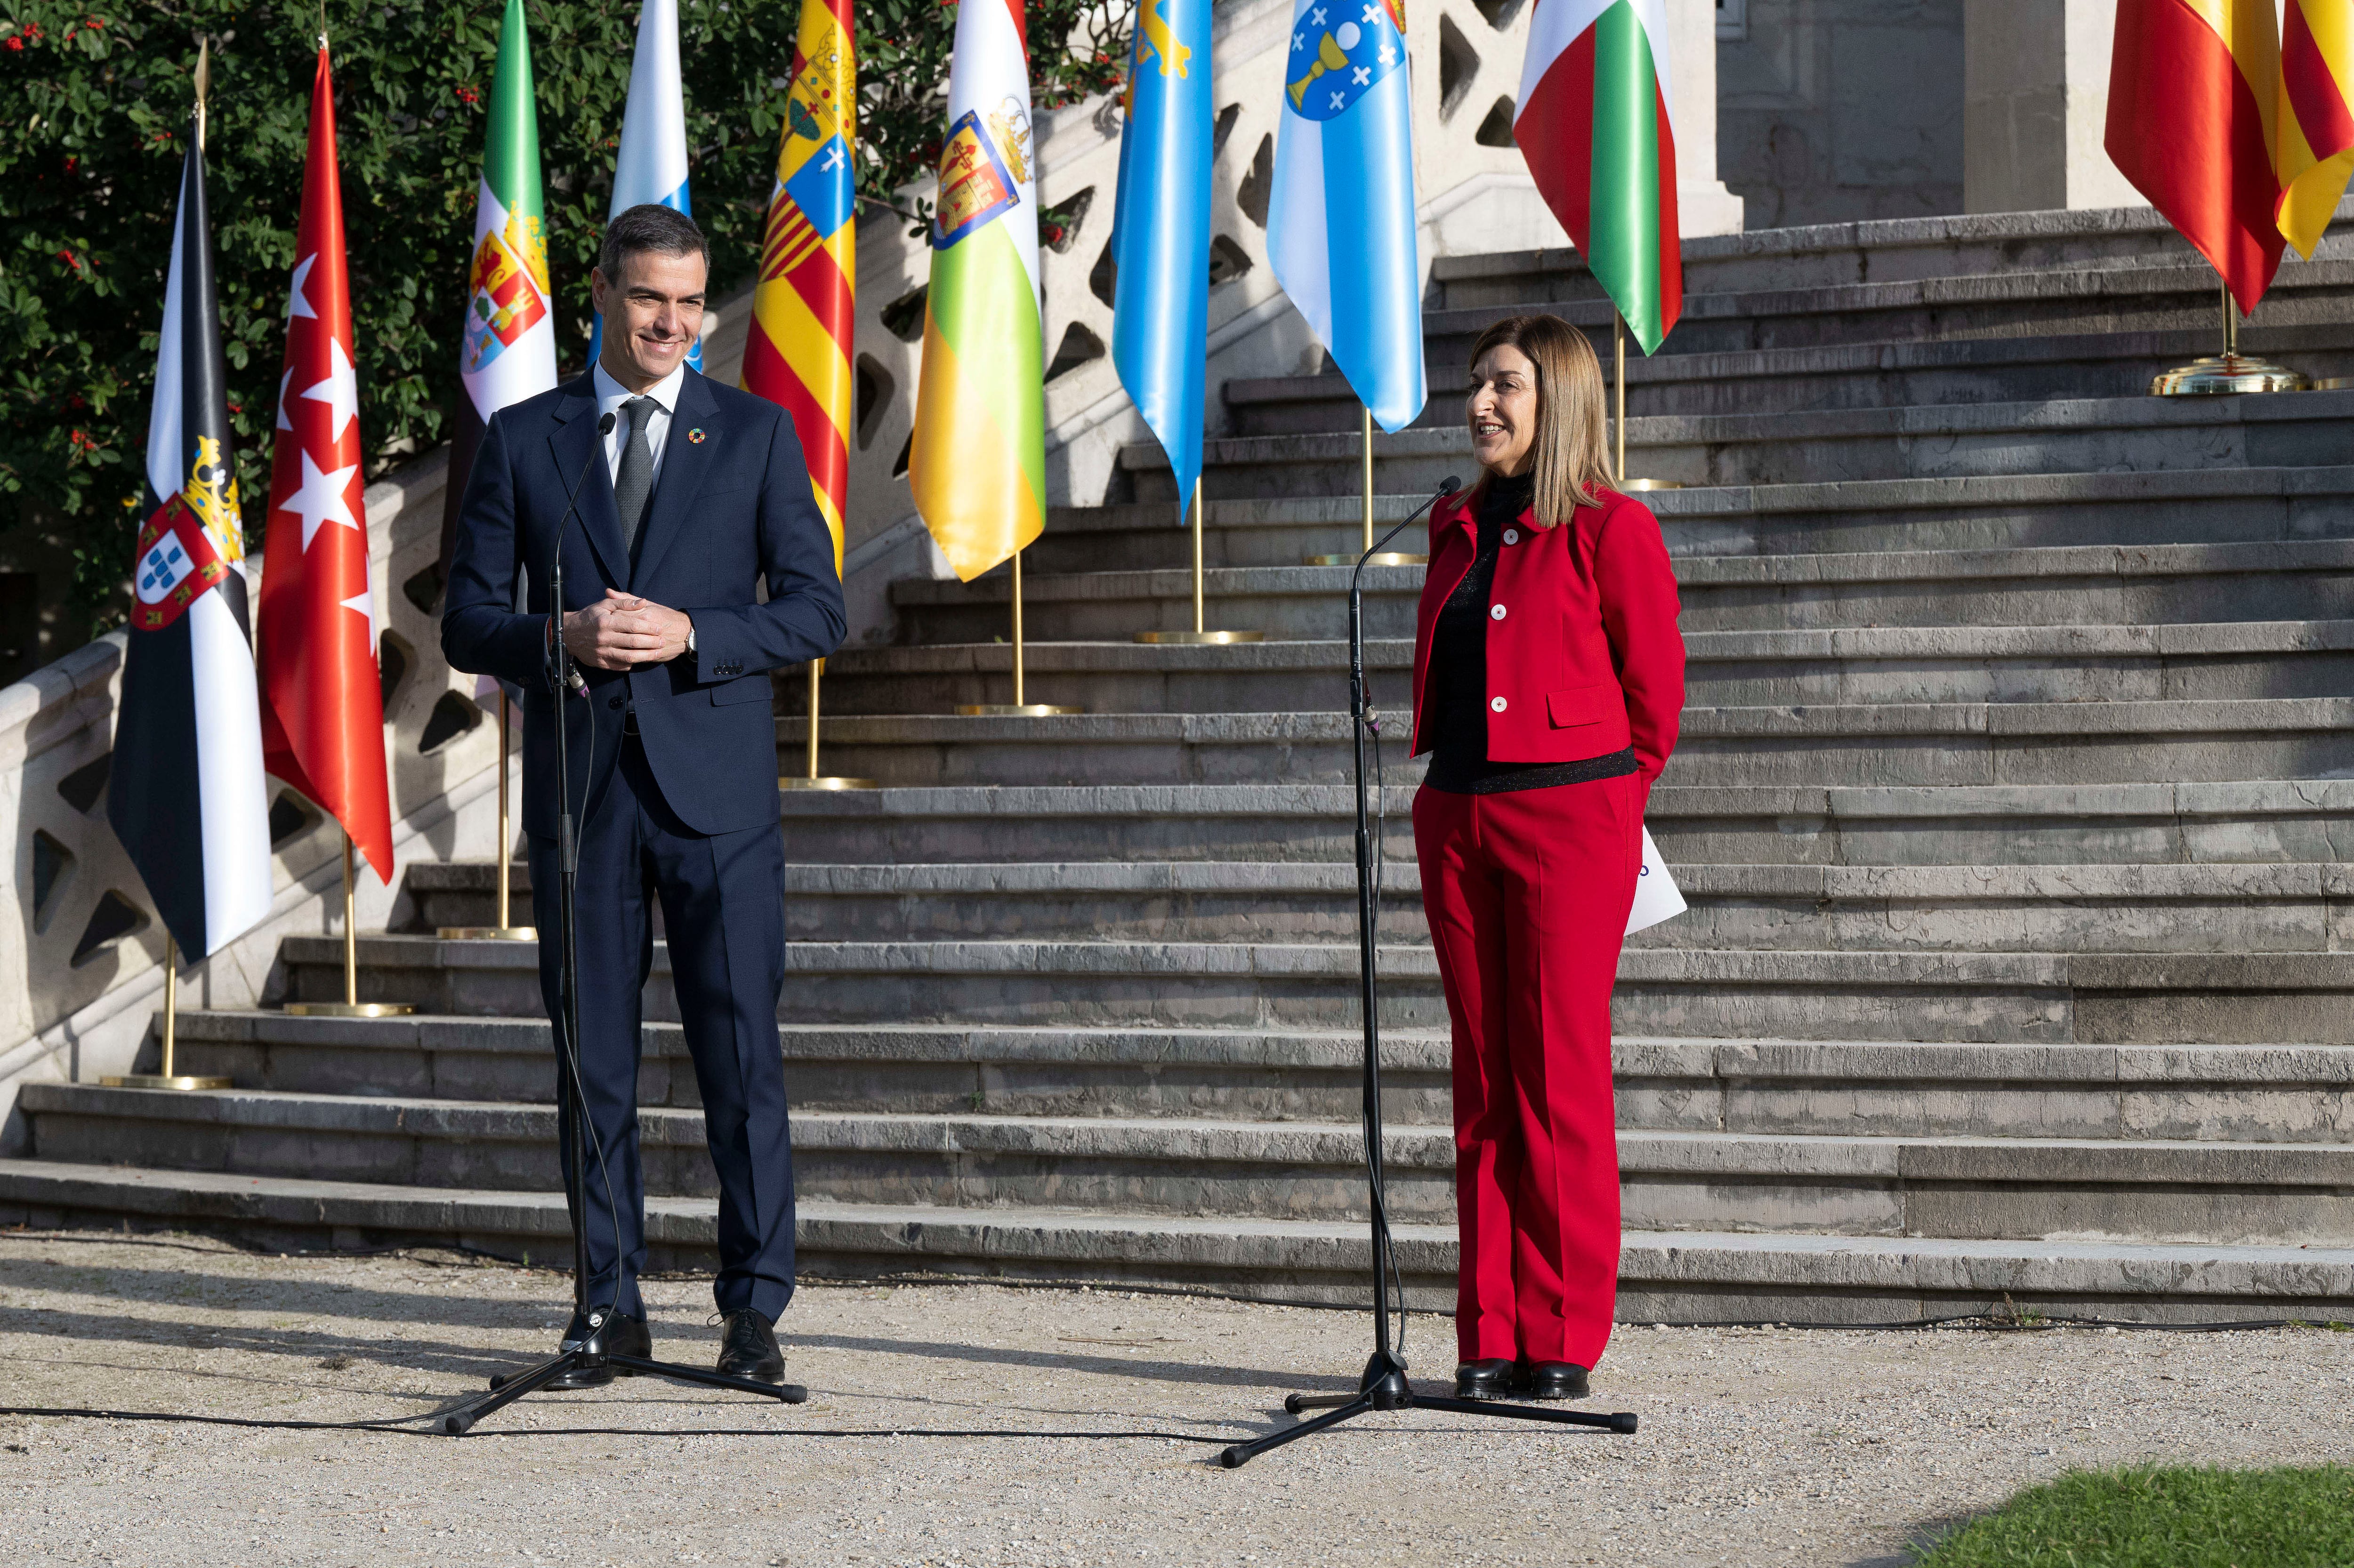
{"x":2194,"y":87}
{"x":803,"y":314}
{"x":2314,"y":151}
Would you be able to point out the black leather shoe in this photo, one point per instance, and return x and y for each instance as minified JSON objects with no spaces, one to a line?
{"x":1490,"y":1379}
{"x":1557,"y":1380}
{"x":624,"y":1336}
{"x":748,"y":1348}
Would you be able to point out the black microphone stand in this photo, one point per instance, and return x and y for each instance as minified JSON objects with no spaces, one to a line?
{"x":589,"y":1353}
{"x":1383,"y":1385}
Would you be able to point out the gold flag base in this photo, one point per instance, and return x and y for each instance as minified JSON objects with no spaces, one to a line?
{"x":489,"y":933}
{"x":1629,"y":486}
{"x":827,"y":783}
{"x":348,"y":1009}
{"x":162,"y":1081}
{"x":2225,"y":376}
{"x":1015,"y":710}
{"x":1200,"y":637}
{"x":1386,"y":558}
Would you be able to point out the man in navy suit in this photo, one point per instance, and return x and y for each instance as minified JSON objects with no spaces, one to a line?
{"x":697,"y":494}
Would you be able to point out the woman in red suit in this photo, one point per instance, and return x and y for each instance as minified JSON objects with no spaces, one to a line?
{"x":1548,"y":676}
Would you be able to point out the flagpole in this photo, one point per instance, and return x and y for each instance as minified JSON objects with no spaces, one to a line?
{"x":1199,"y":635}
{"x":1365,"y":508}
{"x":1619,"y":423}
{"x":1019,"y":707}
{"x":168,"y":1079}
{"x":815,"y":780}
{"x":2230,"y":373}
{"x":352,"y":1006}
{"x":506,"y":930}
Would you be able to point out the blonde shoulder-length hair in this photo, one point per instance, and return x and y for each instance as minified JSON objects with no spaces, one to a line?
{"x":1572,"y":456}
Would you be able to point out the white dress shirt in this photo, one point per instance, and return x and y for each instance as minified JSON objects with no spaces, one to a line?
{"x":612,"y":395}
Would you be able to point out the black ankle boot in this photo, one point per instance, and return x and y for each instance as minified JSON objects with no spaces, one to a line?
{"x":1557,"y":1380}
{"x":1490,"y":1378}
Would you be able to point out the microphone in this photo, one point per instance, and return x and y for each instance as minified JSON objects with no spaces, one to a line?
{"x":561,"y":672}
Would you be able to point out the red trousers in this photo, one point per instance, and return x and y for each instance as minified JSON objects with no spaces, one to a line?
{"x":1527,"y":894}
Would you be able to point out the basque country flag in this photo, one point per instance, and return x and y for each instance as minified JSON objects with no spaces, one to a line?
{"x":185,"y":793}
{"x":322,"y":710}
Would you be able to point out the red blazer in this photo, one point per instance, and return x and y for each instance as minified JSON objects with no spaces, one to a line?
{"x":1584,"y":657}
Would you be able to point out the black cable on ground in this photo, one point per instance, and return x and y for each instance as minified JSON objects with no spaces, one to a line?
{"x":403,"y":1426}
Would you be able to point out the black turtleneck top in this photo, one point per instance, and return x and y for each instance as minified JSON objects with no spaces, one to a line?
{"x":1455,"y":690}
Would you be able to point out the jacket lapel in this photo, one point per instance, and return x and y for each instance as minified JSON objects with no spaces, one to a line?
{"x":575,"y":445}
{"x":688,"y":452}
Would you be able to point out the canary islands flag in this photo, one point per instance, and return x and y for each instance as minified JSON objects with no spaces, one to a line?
{"x":1340,"y":226}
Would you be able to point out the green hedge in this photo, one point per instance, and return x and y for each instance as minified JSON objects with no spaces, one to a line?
{"x":94,"y":113}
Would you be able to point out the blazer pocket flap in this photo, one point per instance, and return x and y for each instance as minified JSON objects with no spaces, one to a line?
{"x":743,"y":689}
{"x":1580,"y":704}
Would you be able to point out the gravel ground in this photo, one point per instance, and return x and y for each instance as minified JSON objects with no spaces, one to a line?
{"x":1757,"y":1445}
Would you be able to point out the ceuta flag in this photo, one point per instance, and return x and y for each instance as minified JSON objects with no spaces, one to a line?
{"x":2194,"y":86}
{"x":1597,"y":123}
{"x":322,"y":703}
{"x":804,"y":308}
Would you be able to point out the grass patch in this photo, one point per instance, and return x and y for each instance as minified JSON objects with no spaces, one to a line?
{"x":2164,"y":1517}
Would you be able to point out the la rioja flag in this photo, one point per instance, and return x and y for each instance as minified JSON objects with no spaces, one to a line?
{"x":1597,"y":123}
{"x":322,"y":705}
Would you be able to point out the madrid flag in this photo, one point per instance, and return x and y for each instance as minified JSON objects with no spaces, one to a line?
{"x":978,"y":466}
{"x":322,"y":708}
{"x":1597,"y":123}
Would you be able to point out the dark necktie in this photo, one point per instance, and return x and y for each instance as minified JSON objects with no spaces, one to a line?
{"x":635,"y":482}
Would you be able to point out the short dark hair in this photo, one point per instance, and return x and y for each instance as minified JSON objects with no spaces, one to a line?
{"x":649,"y":226}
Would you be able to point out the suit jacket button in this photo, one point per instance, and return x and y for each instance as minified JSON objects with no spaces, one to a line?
{"x":612,"y":702}
{"x":1496,"y":612}
{"x":1497,"y":704}
{"x":1512,"y":536}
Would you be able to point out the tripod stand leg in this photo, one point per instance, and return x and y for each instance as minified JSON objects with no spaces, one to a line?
{"x":1296,"y":1403}
{"x":460,"y":1419}
{"x":1240,"y":1454}
{"x":786,"y":1393}
{"x":1617,"y":1421}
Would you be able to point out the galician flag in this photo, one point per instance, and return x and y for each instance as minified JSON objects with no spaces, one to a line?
{"x":508,"y":352}
{"x":1595,"y":121}
{"x":1340,"y":218}
{"x":978,"y":466}
{"x":804,"y":309}
{"x":2314,"y":151}
{"x":652,"y":167}
{"x":1160,"y":238}
{"x":322,"y":708}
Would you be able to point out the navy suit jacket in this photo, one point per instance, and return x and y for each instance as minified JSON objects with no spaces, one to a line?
{"x":731,"y":506}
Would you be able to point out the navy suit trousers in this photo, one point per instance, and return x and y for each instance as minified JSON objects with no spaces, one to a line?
{"x":723,"y":916}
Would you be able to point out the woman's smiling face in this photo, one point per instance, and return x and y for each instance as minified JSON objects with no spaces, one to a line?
{"x":1502,"y":410}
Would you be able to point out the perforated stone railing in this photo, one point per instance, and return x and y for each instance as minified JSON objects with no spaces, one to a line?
{"x":80,"y":955}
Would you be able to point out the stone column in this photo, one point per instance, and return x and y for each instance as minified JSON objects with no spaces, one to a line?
{"x":2035,"y":92}
{"x":1702,"y":204}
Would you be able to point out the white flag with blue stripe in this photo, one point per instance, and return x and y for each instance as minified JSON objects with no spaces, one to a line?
{"x":1340,"y":223}
{"x":652,"y":168}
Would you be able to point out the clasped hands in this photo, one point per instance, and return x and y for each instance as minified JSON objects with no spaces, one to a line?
{"x":621,"y":631}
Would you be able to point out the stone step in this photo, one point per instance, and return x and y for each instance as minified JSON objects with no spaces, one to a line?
{"x":1967,"y":908}
{"x":2256,"y":822}
{"x":2197,"y":662}
{"x":1881,"y":250}
{"x":1937,"y":1186}
{"x":1666,"y":1277}
{"x":2075,"y":585}
{"x":2093,"y":998}
{"x":2163,"y":506}
{"x":1900,"y":744}
{"x":2262,"y":1093}
{"x":2139,"y":434}
{"x":2024,"y":303}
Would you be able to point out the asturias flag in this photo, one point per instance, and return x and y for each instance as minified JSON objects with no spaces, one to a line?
{"x":978,"y":465}
{"x":185,"y":793}
{"x":652,"y":167}
{"x":804,"y":313}
{"x":1340,"y":219}
{"x":2314,"y":153}
{"x":1160,"y":244}
{"x":508,"y":350}
{"x":1595,"y":121}
{"x":322,"y":710}
{"x":2193,"y":88}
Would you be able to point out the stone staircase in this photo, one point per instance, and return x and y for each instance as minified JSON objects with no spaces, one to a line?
{"x":2008,"y":806}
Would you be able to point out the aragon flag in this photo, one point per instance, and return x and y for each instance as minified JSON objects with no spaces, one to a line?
{"x":322,"y":710}
{"x":508,"y":349}
{"x":804,"y":311}
{"x":977,"y":463}
{"x":185,"y":793}
{"x":1597,"y":123}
